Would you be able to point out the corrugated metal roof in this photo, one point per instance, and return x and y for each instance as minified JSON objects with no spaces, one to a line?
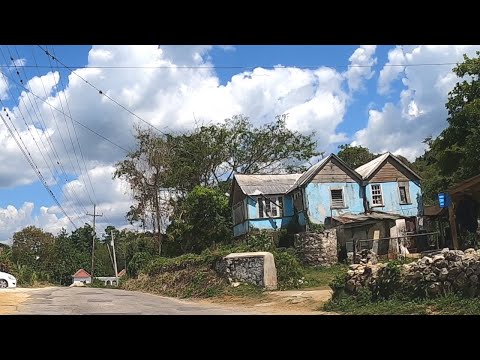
{"x":369,"y":168}
{"x":434,"y":210}
{"x":355,"y":218}
{"x":266,"y":184}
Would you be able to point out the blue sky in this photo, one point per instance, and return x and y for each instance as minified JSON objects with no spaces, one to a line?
{"x":345,"y":94}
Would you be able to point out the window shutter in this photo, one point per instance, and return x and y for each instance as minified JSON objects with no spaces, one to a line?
{"x":337,"y":198}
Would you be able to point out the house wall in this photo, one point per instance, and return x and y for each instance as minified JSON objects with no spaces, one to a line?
{"x":87,"y":280}
{"x":269,"y":223}
{"x":391,"y":198}
{"x":318,"y":200}
{"x":240,"y":229}
{"x":390,"y":171}
{"x":332,"y":172}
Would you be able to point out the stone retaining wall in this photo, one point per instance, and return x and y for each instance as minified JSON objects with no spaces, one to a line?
{"x":317,"y":249}
{"x":448,"y":271}
{"x":257,"y":268}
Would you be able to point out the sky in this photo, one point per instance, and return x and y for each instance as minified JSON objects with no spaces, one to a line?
{"x":386,"y":98}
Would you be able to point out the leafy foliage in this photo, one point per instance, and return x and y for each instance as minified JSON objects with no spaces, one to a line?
{"x":453,"y":156}
{"x":199,"y":221}
{"x":355,"y":156}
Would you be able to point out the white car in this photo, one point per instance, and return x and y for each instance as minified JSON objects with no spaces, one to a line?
{"x":7,"y":280}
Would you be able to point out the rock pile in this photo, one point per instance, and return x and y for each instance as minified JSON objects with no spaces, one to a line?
{"x":365,"y":256}
{"x":448,"y":271}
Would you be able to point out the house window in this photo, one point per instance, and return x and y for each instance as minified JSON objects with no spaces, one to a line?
{"x":238,"y":213}
{"x":377,"y":198}
{"x":337,"y":199}
{"x":271,"y":206}
{"x":404,"y":192}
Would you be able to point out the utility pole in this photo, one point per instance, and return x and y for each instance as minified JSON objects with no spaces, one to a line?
{"x":114,"y":258}
{"x":93,"y":237}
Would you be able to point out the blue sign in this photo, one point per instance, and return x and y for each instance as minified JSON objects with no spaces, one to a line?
{"x":444,"y":200}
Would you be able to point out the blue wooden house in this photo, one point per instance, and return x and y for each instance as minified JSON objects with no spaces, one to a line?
{"x":261,"y":202}
{"x":328,"y":188}
{"x":391,"y":186}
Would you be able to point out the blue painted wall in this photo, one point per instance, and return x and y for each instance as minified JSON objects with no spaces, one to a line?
{"x":240,"y":229}
{"x":391,"y":198}
{"x":269,"y":224}
{"x":318,"y":200}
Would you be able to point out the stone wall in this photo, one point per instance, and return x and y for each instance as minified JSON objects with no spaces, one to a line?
{"x":257,"y":268}
{"x":448,"y":271}
{"x":317,"y":249}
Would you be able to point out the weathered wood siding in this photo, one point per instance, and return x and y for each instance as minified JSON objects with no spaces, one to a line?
{"x":389,"y":172}
{"x":332,"y":172}
{"x":238,"y":195}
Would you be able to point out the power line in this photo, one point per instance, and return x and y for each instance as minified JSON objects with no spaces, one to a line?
{"x":49,"y":141}
{"x":31,"y":134}
{"x":76,"y":121}
{"x":60,"y":133}
{"x":71,"y":140}
{"x":233,"y":67}
{"x":99,"y":90}
{"x":33,"y":137}
{"x":76,"y":136}
{"x":37,"y":172}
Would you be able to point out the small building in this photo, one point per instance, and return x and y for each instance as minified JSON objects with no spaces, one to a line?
{"x":328,"y":188}
{"x":82,"y":276}
{"x":261,"y":202}
{"x":391,"y":186}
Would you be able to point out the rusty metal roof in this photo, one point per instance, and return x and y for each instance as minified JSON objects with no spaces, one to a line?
{"x":374,"y":215}
{"x":434,"y":210}
{"x":266,"y":184}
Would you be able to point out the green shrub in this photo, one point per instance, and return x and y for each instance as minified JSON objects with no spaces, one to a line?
{"x":289,"y":270}
{"x":138,"y":262}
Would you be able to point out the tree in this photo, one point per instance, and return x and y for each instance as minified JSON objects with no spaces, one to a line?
{"x":33,"y":247}
{"x":201,"y":220}
{"x":164,"y":169}
{"x":355,"y":156}
{"x":68,"y":257}
{"x":146,"y":170}
{"x":453,"y":155}
{"x":456,"y":148}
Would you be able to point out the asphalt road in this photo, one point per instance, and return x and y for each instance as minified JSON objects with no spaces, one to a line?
{"x":98,"y":301}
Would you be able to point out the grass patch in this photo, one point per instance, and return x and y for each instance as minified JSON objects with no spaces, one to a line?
{"x":448,"y":305}
{"x":245,"y":290}
{"x":322,"y":276}
{"x":195,"y":281}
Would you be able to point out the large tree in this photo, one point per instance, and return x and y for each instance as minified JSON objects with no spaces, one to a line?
{"x":164,"y":169}
{"x":457,"y":147}
{"x":33,"y":247}
{"x":453,"y":155}
{"x":355,"y":156}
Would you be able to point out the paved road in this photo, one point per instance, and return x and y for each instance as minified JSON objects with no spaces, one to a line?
{"x":85,"y":301}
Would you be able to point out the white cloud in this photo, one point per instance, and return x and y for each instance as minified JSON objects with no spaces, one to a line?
{"x":420,"y":111}
{"x":390,"y":71}
{"x":361,"y":63}
{"x":3,"y":87}
{"x":183,"y":86}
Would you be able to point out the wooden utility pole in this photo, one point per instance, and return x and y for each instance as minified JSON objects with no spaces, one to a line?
{"x":114,"y":258}
{"x":93,"y":238}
